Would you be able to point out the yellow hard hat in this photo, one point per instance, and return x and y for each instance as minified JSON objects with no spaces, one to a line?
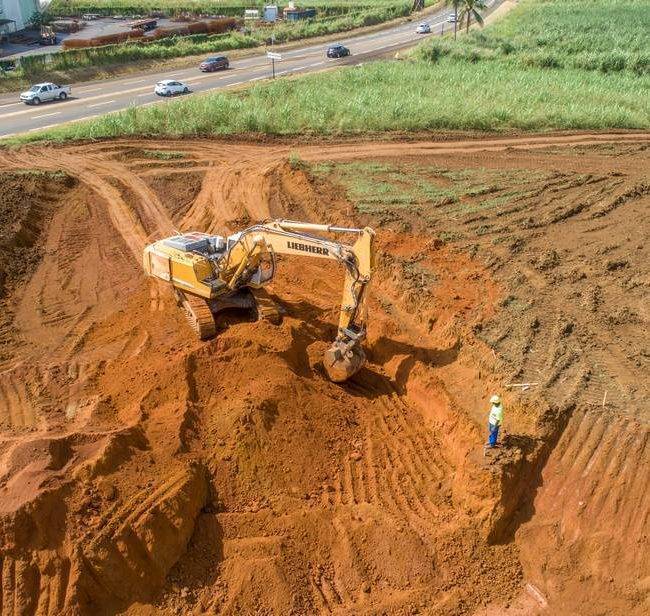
{"x":495,"y":399}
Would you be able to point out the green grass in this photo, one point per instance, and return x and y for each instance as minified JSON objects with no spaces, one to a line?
{"x":470,"y":85}
{"x":375,"y":187}
{"x":605,"y":35}
{"x":36,"y":173}
{"x":386,"y":190}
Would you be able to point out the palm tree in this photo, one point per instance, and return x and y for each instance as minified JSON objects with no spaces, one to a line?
{"x":472,"y":8}
{"x":455,"y":4}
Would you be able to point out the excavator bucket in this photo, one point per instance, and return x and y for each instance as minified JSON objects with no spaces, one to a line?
{"x":343,"y":360}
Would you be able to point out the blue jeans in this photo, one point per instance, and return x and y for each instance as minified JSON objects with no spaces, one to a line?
{"x":494,"y":434}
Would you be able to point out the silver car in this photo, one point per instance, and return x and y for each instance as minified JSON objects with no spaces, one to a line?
{"x":170,"y":87}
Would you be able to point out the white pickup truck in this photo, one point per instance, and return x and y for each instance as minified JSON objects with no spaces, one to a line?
{"x":42,"y":92}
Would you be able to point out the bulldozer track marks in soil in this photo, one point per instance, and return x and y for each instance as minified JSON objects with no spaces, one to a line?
{"x":141,"y":469}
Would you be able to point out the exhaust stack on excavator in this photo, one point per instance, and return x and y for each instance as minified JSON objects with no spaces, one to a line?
{"x":211,"y":273}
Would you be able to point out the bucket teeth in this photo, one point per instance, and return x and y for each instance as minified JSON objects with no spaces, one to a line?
{"x":343,"y":360}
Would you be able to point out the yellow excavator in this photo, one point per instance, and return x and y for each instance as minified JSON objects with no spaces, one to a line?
{"x":210,"y":273}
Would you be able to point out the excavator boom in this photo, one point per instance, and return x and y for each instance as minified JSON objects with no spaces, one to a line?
{"x":214,"y":271}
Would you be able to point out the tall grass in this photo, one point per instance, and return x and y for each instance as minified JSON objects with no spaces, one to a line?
{"x":604,"y":35}
{"x":410,"y":96}
{"x":111,"y":55}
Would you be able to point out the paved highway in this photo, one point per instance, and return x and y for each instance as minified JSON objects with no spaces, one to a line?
{"x":95,"y":98}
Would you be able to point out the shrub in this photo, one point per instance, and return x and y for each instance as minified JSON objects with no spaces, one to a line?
{"x":640,"y":64}
{"x":541,"y":60}
{"x":506,"y":48}
{"x":613,"y":63}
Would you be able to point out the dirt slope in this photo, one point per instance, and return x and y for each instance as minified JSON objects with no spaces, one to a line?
{"x":143,"y":471}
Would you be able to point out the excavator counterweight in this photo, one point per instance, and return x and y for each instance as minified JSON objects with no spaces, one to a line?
{"x":211,"y":273}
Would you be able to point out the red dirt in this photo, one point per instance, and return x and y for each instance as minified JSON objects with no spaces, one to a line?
{"x":145,"y":472}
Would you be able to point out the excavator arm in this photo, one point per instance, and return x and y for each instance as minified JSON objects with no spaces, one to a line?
{"x":284,"y":237}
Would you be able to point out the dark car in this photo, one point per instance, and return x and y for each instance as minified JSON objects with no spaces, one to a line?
{"x":337,"y":51}
{"x":217,"y":63}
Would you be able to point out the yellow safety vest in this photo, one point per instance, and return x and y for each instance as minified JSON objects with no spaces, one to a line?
{"x":496,"y":414}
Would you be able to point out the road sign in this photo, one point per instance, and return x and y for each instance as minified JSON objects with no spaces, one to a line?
{"x":274,"y":57}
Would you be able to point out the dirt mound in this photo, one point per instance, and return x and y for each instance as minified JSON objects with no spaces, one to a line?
{"x":143,"y":471}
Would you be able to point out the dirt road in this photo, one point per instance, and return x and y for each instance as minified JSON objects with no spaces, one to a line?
{"x":143,"y":471}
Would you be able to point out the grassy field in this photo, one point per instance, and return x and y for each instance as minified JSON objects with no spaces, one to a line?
{"x":485,"y":81}
{"x":387,"y":190}
{"x":605,"y":35}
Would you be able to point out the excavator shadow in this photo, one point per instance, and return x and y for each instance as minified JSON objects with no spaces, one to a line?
{"x":371,"y":384}
{"x":227,"y":317}
{"x":311,"y":329}
{"x":368,"y":382}
{"x":384,"y":349}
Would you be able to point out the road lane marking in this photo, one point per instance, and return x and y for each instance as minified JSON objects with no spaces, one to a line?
{"x":100,"y":104}
{"x":45,"y":115}
{"x":207,"y":76}
{"x":31,"y":130}
{"x":124,"y":83}
{"x":144,"y":94}
{"x":10,"y":104}
{"x":86,"y":90}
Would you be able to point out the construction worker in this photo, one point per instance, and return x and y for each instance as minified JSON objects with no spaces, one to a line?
{"x":494,"y":420}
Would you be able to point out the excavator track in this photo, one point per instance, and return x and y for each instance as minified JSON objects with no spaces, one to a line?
{"x":199,"y":315}
{"x":267,"y":309}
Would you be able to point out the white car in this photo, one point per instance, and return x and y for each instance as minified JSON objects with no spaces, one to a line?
{"x":169,"y":87}
{"x":43,"y":92}
{"x":452,"y":18}
{"x":423,"y":28}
